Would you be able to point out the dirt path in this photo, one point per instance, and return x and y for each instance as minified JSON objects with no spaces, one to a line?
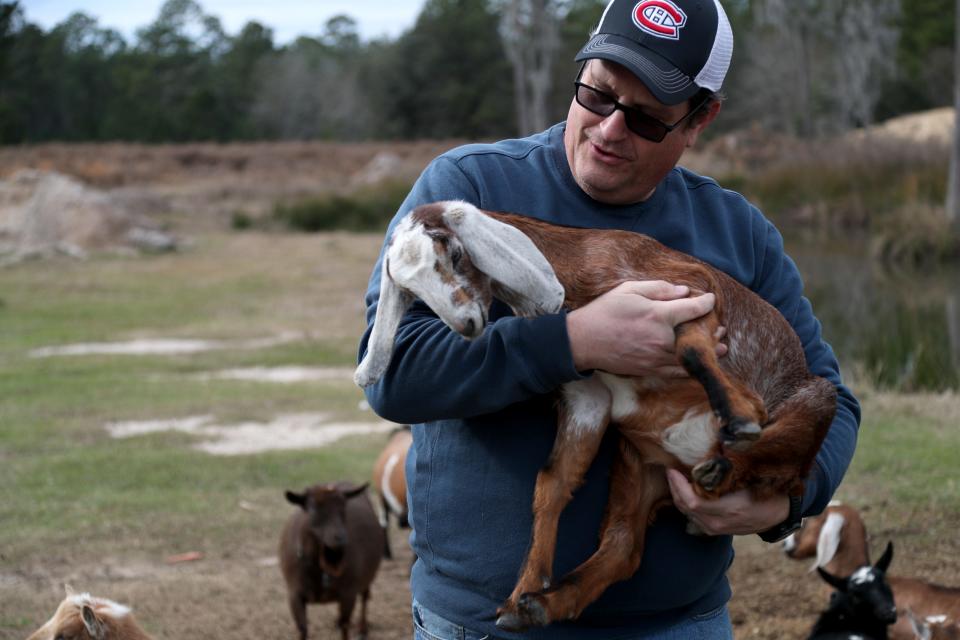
{"x":239,"y":593}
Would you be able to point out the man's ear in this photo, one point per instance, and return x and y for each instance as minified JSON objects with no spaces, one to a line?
{"x":702,"y":121}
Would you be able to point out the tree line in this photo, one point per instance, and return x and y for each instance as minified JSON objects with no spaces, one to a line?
{"x":466,"y":68}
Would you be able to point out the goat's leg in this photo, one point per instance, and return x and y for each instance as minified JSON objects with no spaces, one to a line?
{"x":637,"y":490}
{"x":741,"y":412}
{"x":584,"y":415}
{"x":784,"y":453}
{"x":363,"y":629}
{"x":385,"y":524}
{"x":298,"y":609}
{"x":346,"y":611}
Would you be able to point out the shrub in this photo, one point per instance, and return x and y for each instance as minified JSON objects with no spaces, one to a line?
{"x":369,"y":209}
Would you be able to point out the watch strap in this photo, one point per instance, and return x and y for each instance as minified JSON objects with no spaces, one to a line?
{"x":788,"y":526}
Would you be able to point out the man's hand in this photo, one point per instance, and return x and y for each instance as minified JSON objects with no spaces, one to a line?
{"x":629,"y":329}
{"x":736,"y":513}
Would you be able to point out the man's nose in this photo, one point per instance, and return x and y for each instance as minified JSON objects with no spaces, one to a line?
{"x":614,"y":126}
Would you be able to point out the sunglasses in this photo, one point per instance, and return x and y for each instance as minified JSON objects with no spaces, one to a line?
{"x":647,"y":127}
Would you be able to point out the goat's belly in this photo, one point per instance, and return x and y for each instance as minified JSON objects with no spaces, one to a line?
{"x":669,"y":421}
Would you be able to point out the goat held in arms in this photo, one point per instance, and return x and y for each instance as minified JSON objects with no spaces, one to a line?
{"x":754,"y":419}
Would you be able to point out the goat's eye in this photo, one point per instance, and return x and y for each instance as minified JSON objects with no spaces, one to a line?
{"x":456,"y":255}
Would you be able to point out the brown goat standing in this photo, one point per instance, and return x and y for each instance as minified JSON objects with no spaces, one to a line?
{"x":85,"y":617}
{"x":755,"y":420}
{"x":330,"y":551}
{"x":838,"y":539}
{"x":390,"y":482}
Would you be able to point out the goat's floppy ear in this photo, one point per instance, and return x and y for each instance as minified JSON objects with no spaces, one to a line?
{"x":829,"y":539}
{"x":920,"y":629}
{"x":391,"y":306}
{"x":884,"y":562}
{"x":521,"y":275}
{"x":92,"y":623}
{"x":840,"y":584}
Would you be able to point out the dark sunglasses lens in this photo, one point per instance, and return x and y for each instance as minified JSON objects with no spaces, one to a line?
{"x":603,"y":105}
{"x":645,"y":126}
{"x":594,"y":101}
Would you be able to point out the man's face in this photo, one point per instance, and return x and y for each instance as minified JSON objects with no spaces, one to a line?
{"x":612,"y":164}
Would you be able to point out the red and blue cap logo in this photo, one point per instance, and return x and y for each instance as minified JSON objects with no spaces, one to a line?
{"x":660,"y":18}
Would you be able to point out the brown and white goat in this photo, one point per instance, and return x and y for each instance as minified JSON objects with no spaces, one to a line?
{"x":754,"y":420}
{"x":933,"y":627}
{"x":837,"y":538}
{"x":85,"y":617}
{"x":390,"y":483}
{"x":330,"y":551}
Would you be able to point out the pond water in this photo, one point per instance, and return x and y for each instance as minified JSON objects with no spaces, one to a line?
{"x":898,"y":327}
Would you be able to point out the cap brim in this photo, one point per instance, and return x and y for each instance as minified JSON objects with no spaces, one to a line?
{"x":667,"y":83}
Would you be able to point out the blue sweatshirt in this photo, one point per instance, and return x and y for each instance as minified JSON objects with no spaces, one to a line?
{"x":484,"y":416}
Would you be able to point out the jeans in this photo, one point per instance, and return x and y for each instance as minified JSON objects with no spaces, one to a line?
{"x":713,"y":625}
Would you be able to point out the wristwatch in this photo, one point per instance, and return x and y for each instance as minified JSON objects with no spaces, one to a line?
{"x":788,"y":526}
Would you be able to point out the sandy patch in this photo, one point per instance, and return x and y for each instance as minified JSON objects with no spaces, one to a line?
{"x":282,"y":375}
{"x":285,"y":432}
{"x":159,"y":346}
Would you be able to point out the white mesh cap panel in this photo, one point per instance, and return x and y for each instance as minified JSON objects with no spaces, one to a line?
{"x":713,"y":72}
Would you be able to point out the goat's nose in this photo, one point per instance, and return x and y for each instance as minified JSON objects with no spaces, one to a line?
{"x":470,"y":328}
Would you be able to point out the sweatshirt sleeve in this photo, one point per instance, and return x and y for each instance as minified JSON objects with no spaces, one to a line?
{"x":780,"y":283}
{"x":437,"y":374}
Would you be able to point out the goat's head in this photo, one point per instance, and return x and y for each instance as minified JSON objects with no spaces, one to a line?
{"x":866,"y":593}
{"x":839,"y":530}
{"x":455,"y":259}
{"x":82,"y":617}
{"x":326,"y":509}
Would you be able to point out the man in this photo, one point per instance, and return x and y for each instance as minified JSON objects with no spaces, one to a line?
{"x":483,"y":413}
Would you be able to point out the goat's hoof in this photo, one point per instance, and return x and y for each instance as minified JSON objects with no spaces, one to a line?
{"x":711,"y":473}
{"x":533,"y":609}
{"x":739,"y":434}
{"x":510,"y":621}
{"x":509,"y":618}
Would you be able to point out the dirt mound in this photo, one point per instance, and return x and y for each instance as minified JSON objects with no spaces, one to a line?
{"x":934,"y":126}
{"x":44,"y":213}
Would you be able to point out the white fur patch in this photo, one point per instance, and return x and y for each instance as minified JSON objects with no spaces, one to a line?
{"x":624,"y":395}
{"x":385,"y":489}
{"x":692,"y":438}
{"x":100,"y":605}
{"x":790,"y":543}
{"x":863,"y":575}
{"x":936,"y":619}
{"x":588,"y":404}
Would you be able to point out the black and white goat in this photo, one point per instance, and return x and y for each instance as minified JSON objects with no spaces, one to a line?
{"x":838,"y":539}
{"x":755,"y":420}
{"x":862,"y":606}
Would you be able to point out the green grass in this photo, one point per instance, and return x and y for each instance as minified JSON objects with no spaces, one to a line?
{"x":70,"y":493}
{"x":67,"y":484}
{"x":905,"y":467}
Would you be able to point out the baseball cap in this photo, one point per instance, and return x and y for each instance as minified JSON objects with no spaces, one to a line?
{"x":676,"y":47}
